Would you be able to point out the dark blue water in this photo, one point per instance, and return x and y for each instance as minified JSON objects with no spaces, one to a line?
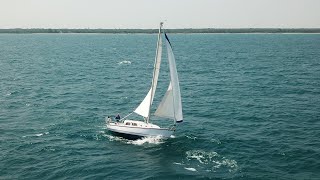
{"x":251,"y":107}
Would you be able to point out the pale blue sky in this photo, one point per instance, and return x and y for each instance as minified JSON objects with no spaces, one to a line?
{"x":148,"y":13}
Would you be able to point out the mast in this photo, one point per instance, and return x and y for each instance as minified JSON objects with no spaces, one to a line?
{"x":154,"y":71}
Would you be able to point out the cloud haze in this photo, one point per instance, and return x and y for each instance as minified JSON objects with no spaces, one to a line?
{"x":148,"y":13}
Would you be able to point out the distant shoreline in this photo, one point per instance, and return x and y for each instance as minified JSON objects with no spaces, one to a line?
{"x":152,"y":31}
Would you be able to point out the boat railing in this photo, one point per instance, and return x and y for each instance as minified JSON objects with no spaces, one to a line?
{"x":172,"y":127}
{"x":122,"y":119}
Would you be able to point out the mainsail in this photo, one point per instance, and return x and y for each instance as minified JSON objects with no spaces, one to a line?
{"x":171,"y":106}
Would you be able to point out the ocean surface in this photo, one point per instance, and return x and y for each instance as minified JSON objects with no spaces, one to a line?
{"x":251,"y":106}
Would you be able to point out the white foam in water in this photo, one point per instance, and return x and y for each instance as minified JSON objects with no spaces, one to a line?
{"x":215,"y":141}
{"x":230,"y":163}
{"x":124,"y":62}
{"x":150,"y":140}
{"x":113,"y":138}
{"x":177,"y":163}
{"x":190,"y":169}
{"x":193,"y":138}
{"x":201,"y":156}
{"x":41,"y":134}
{"x":211,"y":160}
{"x":37,"y":135}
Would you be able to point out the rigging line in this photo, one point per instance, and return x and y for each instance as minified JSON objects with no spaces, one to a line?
{"x":154,"y":72}
{"x":126,"y":116}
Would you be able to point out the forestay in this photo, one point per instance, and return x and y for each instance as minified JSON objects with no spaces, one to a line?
{"x":144,"y":108}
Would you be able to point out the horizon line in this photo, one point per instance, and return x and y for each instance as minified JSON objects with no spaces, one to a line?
{"x":167,"y":28}
{"x":152,"y":31}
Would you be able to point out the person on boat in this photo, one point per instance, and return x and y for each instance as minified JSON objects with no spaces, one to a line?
{"x":118,"y":118}
{"x":109,"y":119}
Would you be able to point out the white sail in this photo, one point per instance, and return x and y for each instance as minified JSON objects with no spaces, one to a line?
{"x":171,"y":106}
{"x":144,"y":108}
{"x":166,"y":108}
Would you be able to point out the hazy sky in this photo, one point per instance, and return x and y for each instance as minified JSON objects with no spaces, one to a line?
{"x":148,"y":13}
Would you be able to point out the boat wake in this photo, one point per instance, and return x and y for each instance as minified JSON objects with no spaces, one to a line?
{"x":202,"y":161}
{"x":142,"y":141}
{"x":147,"y":140}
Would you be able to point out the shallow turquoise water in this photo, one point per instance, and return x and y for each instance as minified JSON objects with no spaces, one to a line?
{"x":251,"y":106}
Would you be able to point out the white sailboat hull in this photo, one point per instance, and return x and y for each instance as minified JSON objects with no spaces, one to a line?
{"x":141,"y":130}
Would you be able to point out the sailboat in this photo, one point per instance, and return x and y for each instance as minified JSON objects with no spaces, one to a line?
{"x":170,"y":106}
